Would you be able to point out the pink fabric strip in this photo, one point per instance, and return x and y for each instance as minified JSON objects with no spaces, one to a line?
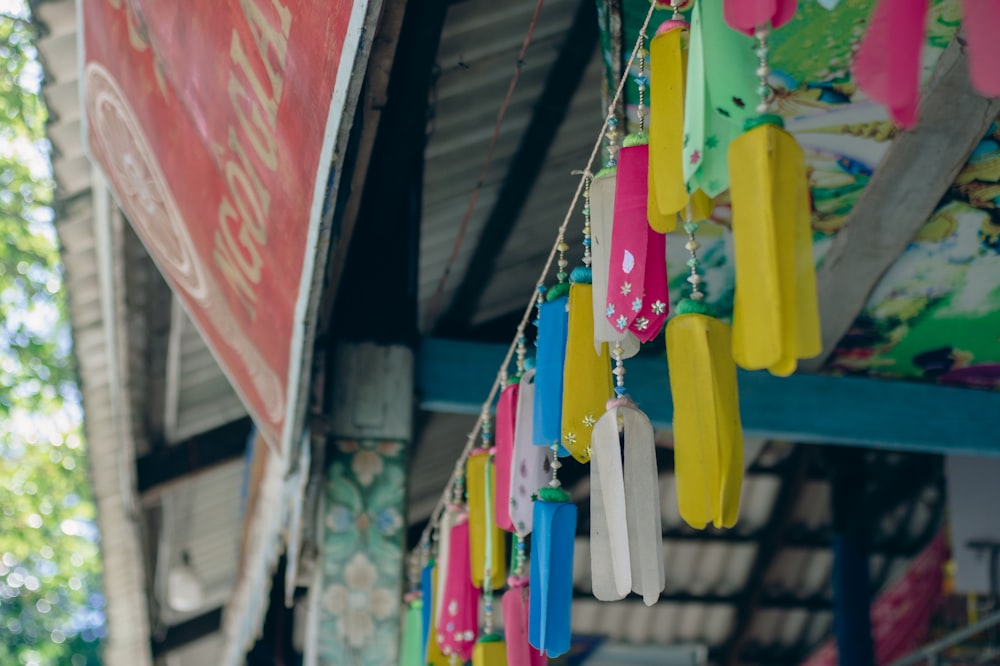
{"x":515,"y":626}
{"x":459,"y":623}
{"x":504,"y":455}
{"x":980,"y":19}
{"x":626,"y":277}
{"x":655,"y":300}
{"x":887,"y":67}
{"x":746,"y":15}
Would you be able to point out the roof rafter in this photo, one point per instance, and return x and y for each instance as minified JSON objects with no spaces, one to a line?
{"x":169,"y":464}
{"x":770,"y":545}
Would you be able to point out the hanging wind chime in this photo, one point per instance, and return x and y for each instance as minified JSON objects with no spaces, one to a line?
{"x":488,"y":559}
{"x":550,"y":594}
{"x":626,"y":531}
{"x":587,"y":372}
{"x":708,"y":438}
{"x":599,"y":204}
{"x":637,"y":298}
{"x":431,"y":594}
{"x":775,"y":311}
{"x":523,"y":467}
{"x":458,"y":610}
{"x":529,"y":464}
{"x":412,"y":649}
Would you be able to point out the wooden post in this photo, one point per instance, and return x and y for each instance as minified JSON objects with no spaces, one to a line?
{"x":357,"y":595}
{"x":357,"y":588}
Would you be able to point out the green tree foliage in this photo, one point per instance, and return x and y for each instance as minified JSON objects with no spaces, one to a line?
{"x":50,"y":605}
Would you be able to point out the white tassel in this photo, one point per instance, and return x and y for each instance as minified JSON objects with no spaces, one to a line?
{"x":642,"y":503}
{"x":609,"y":540}
{"x":626,"y":539}
{"x":529,"y":466}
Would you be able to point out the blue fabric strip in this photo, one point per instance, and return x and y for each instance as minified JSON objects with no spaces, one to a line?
{"x":427,"y":593}
{"x":553,"y":327}
{"x":550,"y":588}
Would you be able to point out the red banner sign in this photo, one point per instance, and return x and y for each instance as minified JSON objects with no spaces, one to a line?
{"x":216,"y":122}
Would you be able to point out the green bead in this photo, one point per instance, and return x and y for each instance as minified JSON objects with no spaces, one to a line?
{"x":692,"y":262}
{"x":562,"y":275}
{"x":691,"y":227}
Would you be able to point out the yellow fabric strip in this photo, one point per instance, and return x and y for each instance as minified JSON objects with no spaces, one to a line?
{"x":810,"y":342}
{"x":762,"y":190}
{"x":586,"y":376}
{"x":775,"y":310}
{"x":696,"y":424}
{"x":434,"y":655}
{"x":667,"y":191}
{"x":489,"y":654}
{"x":728,"y":427}
{"x":699,"y":207}
{"x":481,"y":521}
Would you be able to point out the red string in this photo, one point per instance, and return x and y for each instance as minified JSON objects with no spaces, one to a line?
{"x":501,"y":112}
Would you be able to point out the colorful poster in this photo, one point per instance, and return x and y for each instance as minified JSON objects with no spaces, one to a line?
{"x":216,"y":124}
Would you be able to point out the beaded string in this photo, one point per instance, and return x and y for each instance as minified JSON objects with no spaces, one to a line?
{"x":641,"y":82}
{"x":611,"y":135}
{"x":692,"y":245}
{"x":763,"y":70}
{"x":587,"y":259}
{"x":562,"y":247}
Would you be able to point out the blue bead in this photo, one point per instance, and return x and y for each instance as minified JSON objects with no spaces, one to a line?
{"x":641,"y":81}
{"x":620,"y":391}
{"x":586,"y":242}
{"x":541,"y":289}
{"x":612,"y":122}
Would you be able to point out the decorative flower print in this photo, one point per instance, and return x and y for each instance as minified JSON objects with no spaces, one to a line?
{"x":366,"y":465}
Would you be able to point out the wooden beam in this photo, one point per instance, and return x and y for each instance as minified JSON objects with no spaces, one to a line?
{"x":916,"y":172}
{"x":455,"y":377}
{"x":367,"y":123}
{"x":168,"y":464}
{"x":769,"y":545}
{"x":561,"y":84}
{"x":187,"y":632}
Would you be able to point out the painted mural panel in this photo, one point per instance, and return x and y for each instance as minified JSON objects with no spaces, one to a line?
{"x":935,"y":316}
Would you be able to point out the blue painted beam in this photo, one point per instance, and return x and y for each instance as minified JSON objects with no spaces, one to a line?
{"x":455,"y":377}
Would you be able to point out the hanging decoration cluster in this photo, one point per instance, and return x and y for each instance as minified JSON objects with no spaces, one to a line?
{"x":705,"y":125}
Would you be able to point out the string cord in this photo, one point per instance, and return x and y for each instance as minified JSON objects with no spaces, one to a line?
{"x":502,"y":371}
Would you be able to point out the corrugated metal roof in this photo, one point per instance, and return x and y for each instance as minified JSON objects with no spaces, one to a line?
{"x":202,"y":518}
{"x":476,"y":59}
{"x":203,"y":397}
